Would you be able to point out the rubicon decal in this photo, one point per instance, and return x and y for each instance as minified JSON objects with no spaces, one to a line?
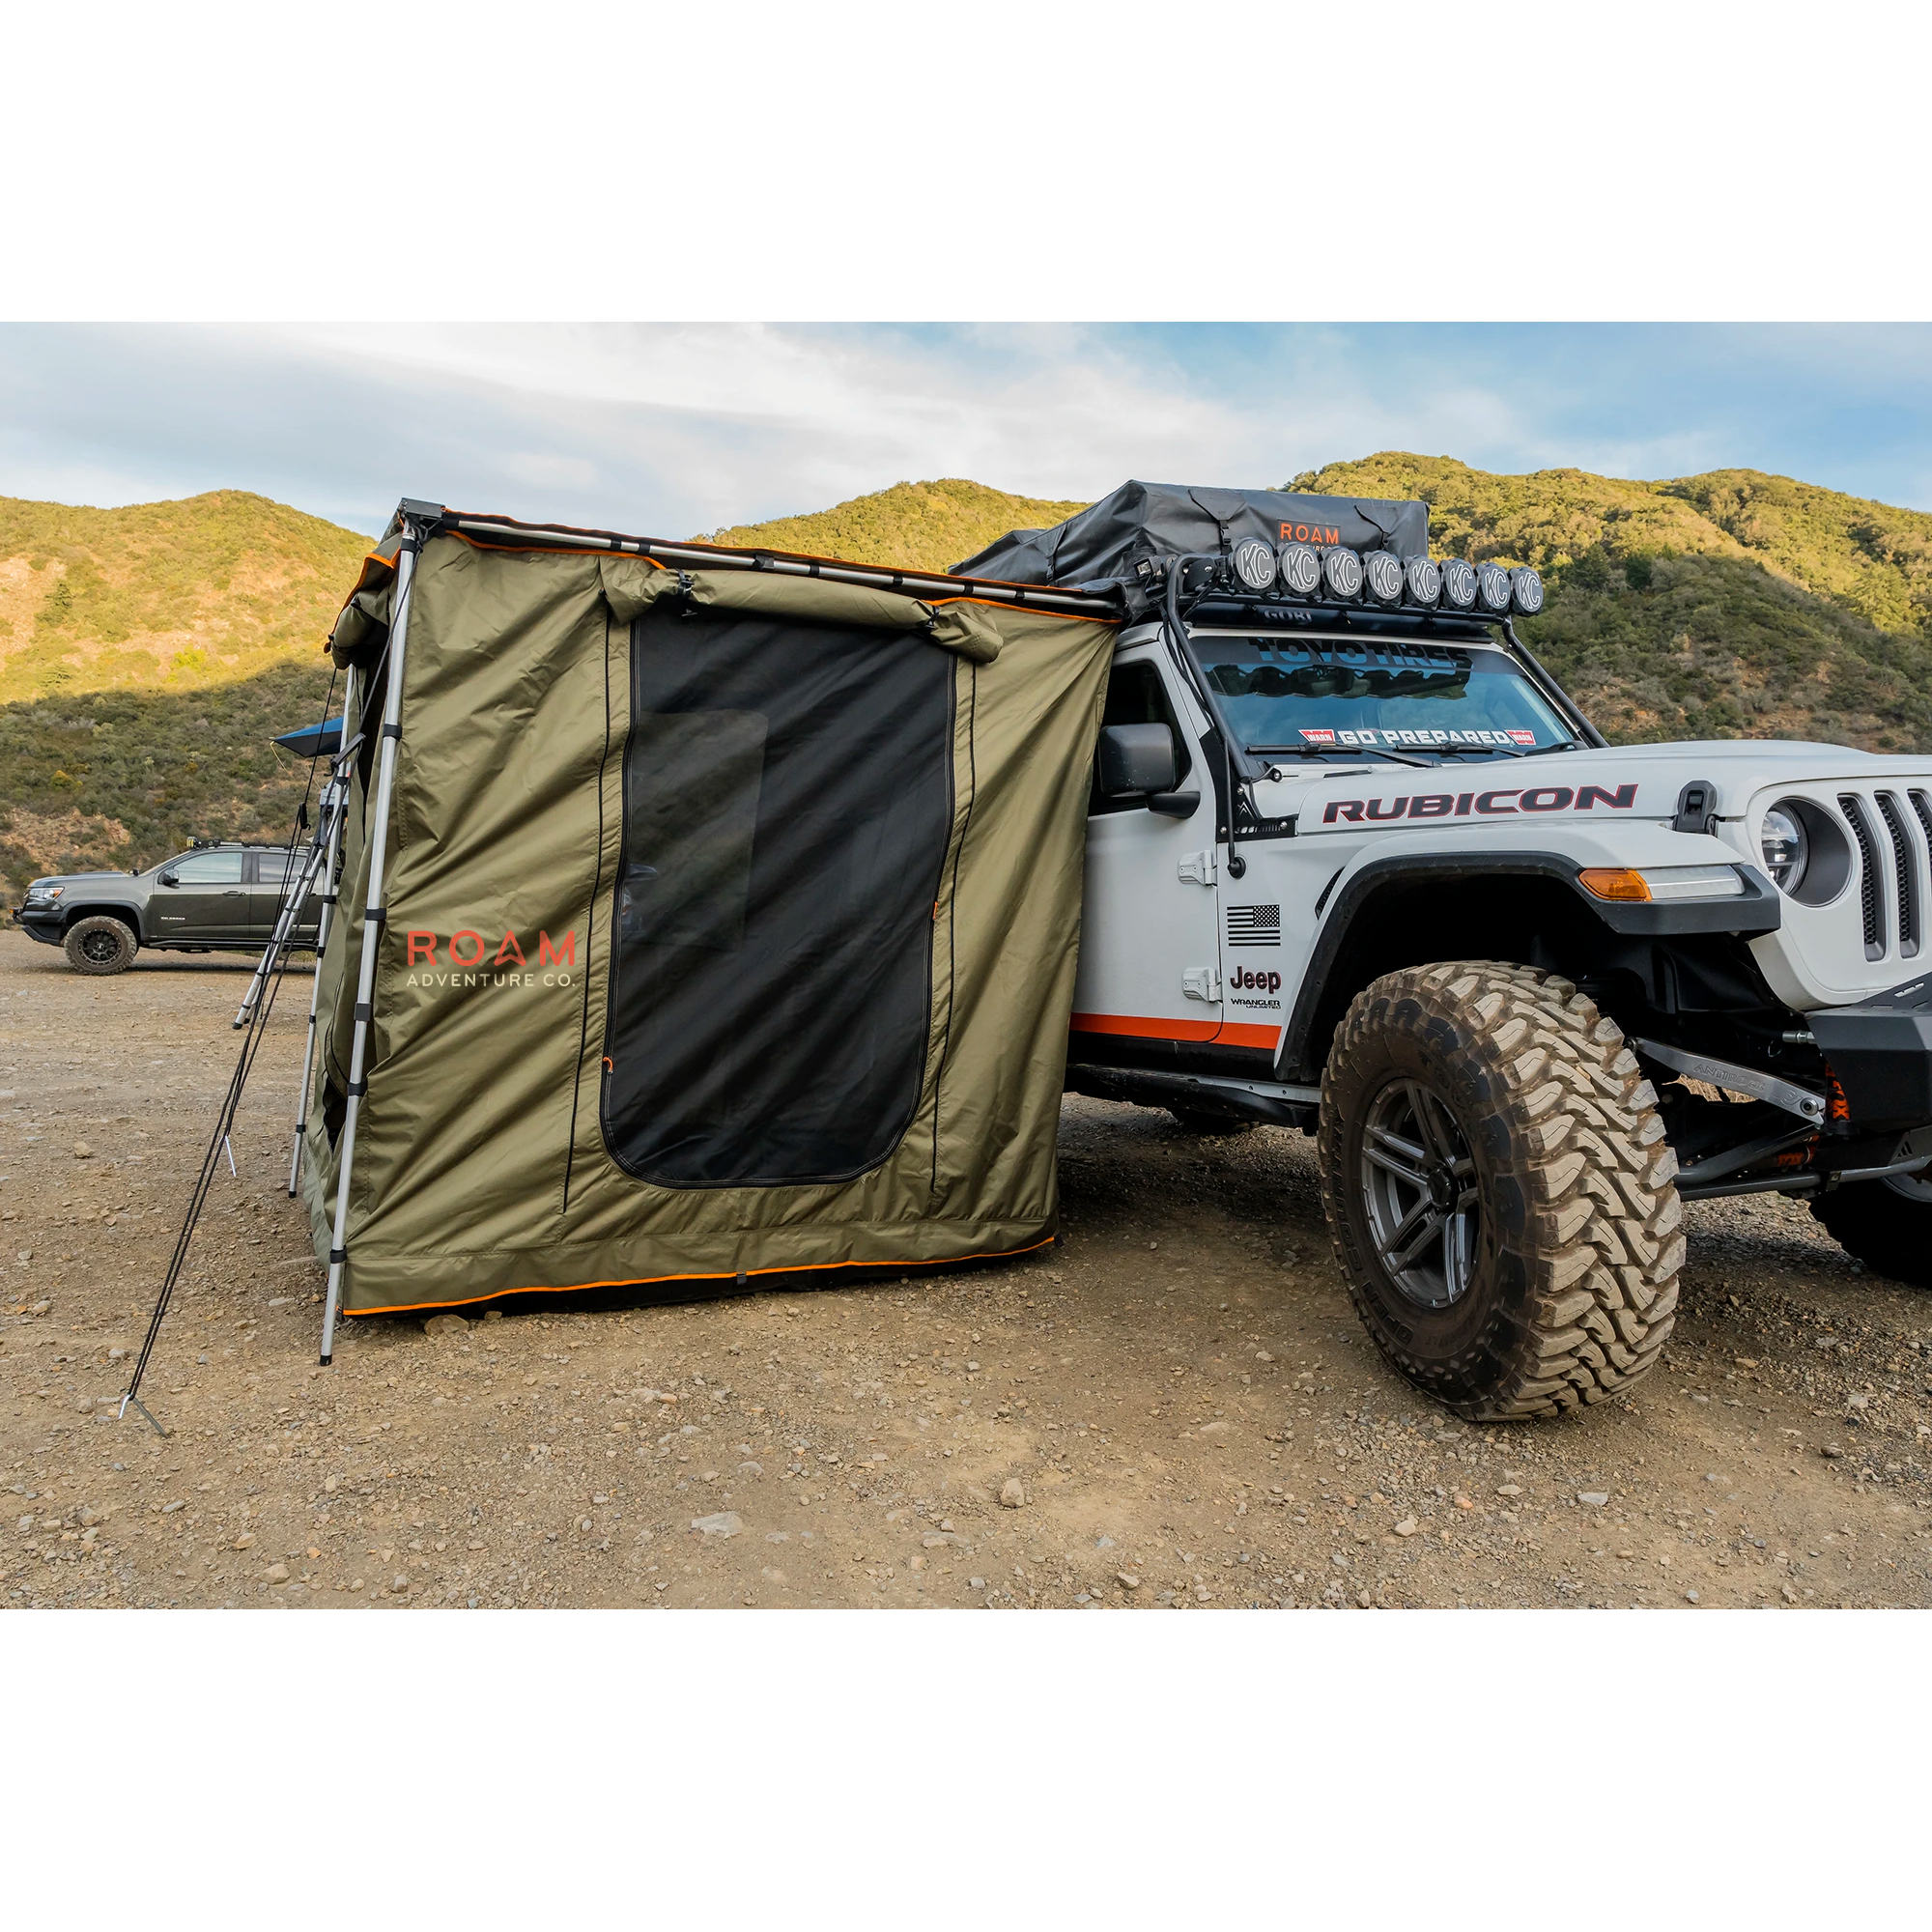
{"x":470,"y":959}
{"x":1487,"y":804}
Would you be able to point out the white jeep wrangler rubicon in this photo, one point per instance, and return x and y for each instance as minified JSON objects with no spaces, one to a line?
{"x":1357,"y":865}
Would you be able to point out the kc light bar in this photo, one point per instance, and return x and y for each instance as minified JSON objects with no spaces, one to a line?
{"x":1334,"y":574}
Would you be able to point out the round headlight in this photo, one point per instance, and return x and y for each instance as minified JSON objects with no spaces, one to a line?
{"x":1526,"y":591}
{"x":1254,"y":562}
{"x":1459,"y":583}
{"x":1383,"y":570}
{"x":1425,"y":580}
{"x":1342,"y":571}
{"x":1785,"y":848}
{"x":1493,"y":582}
{"x":1300,"y":569}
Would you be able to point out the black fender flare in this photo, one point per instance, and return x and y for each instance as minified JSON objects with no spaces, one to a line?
{"x":128,"y":915}
{"x":1757,"y":911}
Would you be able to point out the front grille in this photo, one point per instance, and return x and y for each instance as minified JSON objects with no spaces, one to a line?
{"x":1871,"y":894}
{"x":1903,"y":873}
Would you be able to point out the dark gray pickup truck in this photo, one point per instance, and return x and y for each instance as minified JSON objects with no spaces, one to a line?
{"x":221,"y":897}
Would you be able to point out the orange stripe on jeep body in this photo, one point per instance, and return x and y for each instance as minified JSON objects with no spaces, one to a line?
{"x":1227,"y":1033}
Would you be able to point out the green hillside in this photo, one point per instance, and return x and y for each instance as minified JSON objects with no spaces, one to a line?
{"x":914,"y":525}
{"x":164,"y":596}
{"x":1729,"y":606}
{"x":148,"y":655}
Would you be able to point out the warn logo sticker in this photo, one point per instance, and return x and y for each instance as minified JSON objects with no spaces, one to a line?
{"x":1487,"y":803}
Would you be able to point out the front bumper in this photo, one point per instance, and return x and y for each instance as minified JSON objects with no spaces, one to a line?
{"x":1881,"y":1053}
{"x":44,"y":923}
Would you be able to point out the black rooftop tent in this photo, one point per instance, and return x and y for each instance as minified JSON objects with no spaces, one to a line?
{"x":1099,"y":549}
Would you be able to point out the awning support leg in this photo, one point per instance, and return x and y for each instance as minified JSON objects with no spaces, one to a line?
{"x":374,"y":918}
{"x":335,"y":799}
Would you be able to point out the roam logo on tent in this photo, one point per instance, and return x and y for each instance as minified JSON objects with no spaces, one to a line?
{"x":467,"y":960}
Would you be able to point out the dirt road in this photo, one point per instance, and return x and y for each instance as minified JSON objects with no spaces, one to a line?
{"x":1178,"y":1402}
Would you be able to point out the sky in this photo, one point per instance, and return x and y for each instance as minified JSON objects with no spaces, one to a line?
{"x":676,"y":428}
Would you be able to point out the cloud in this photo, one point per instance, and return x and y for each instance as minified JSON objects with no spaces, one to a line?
{"x":675,"y":428}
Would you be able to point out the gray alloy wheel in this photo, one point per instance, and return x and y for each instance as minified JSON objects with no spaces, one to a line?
{"x":1419,"y":1191}
{"x":99,"y":945}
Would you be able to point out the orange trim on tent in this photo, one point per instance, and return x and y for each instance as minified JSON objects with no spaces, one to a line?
{"x":646,"y":1279}
{"x":551,"y":550}
{"x":993,"y":604}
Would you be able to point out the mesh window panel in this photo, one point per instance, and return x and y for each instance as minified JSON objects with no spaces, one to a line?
{"x":788,"y":803}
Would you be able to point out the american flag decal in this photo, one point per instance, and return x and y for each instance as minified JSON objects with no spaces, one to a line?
{"x":1254,"y":926}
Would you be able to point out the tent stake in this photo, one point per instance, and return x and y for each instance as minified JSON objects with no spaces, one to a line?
{"x":339,"y":783}
{"x":373,"y":917}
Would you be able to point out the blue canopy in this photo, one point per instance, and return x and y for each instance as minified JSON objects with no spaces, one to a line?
{"x":315,"y":741}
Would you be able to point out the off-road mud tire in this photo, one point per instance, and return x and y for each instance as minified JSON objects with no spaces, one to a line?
{"x":1573,"y":1288}
{"x":101,"y":945}
{"x":1211,"y":1124}
{"x":1881,"y":1226}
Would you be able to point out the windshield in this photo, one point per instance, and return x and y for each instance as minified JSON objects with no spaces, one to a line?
{"x":1319,"y":696}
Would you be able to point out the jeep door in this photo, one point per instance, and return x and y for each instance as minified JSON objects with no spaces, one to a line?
{"x":1149,"y":953}
{"x":200,"y":899}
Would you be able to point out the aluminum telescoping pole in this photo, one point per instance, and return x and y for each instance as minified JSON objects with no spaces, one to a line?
{"x":296,"y":883}
{"x":373,"y":917}
{"x":331,"y":893}
{"x":340,"y":788}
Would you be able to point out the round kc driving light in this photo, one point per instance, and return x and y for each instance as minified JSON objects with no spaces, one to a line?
{"x":1300,"y":569}
{"x":1526,"y":591}
{"x":1785,"y":848}
{"x":1425,"y":580}
{"x":1493,"y":582}
{"x":1254,"y":562}
{"x":1343,"y":569}
{"x":1459,"y":583}
{"x":1383,"y":570}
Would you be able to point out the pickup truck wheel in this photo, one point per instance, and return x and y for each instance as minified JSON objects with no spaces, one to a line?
{"x":1499,"y":1189}
{"x":101,"y":945}
{"x":1198,"y":1122}
{"x":1885,"y":1224}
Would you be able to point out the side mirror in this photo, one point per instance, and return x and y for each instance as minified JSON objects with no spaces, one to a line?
{"x":1137,"y":758}
{"x":169,"y":879}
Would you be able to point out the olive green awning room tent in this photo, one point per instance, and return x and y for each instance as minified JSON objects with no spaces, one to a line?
{"x":704,"y":916}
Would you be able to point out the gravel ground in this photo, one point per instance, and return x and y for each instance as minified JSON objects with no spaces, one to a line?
{"x":1175,"y":1408}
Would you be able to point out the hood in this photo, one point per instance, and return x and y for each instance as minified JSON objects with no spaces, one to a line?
{"x":1619,"y":783}
{"x":80,"y":879}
